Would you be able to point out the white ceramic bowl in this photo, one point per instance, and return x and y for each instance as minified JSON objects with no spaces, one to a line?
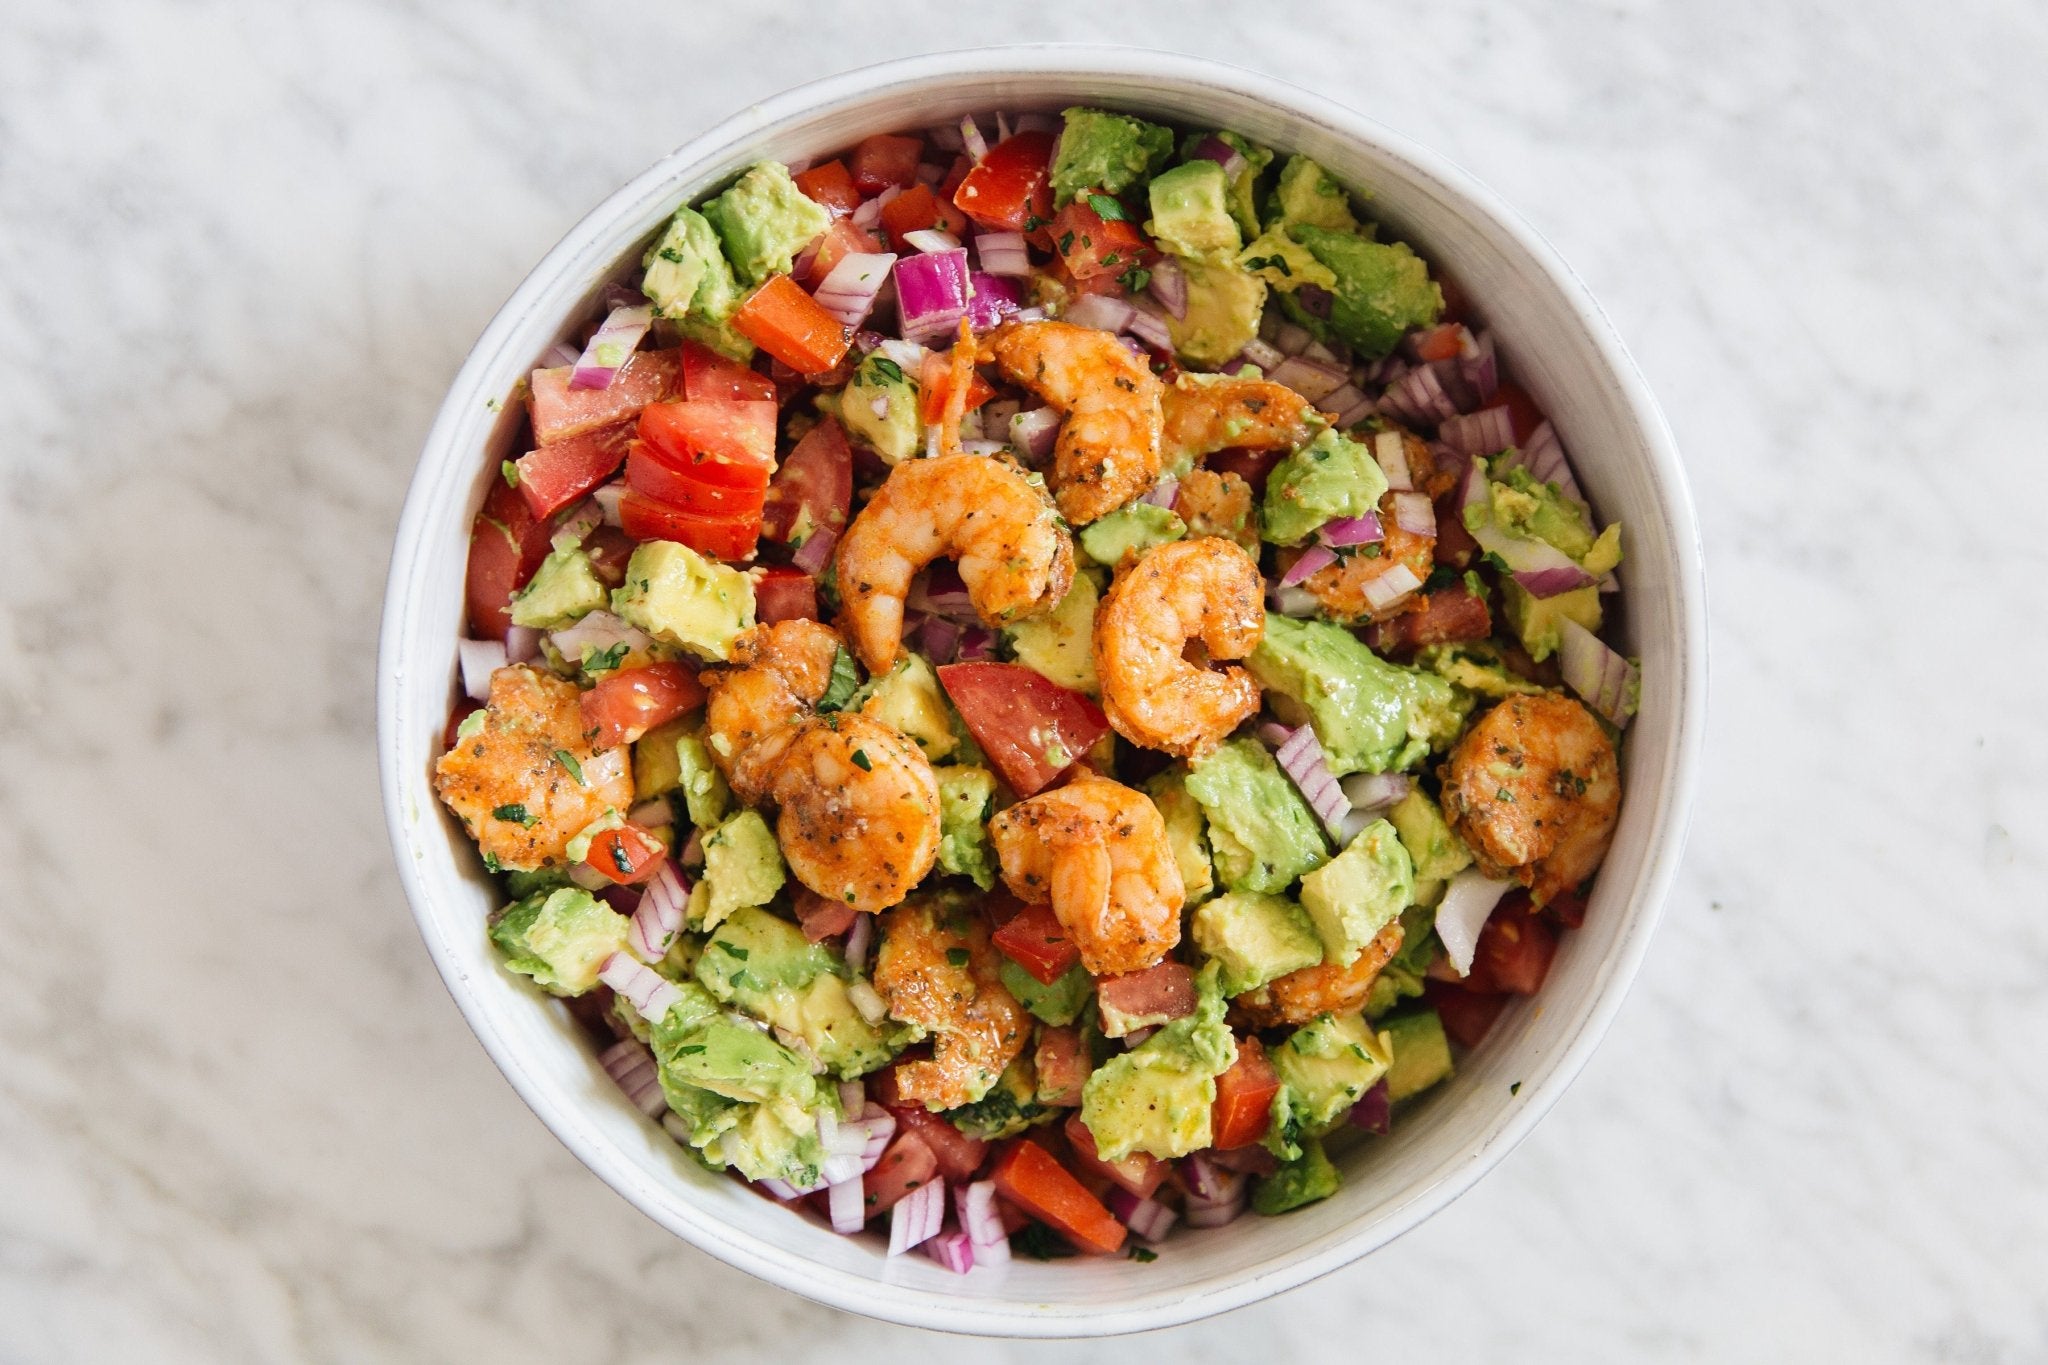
{"x":1558,"y":345}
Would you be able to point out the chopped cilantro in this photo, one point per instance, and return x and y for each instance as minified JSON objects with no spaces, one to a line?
{"x":845,"y":682}
{"x":1106,"y":208}
{"x":517,"y":814}
{"x":619,"y":859}
{"x":1143,"y":1255}
{"x":862,"y":761}
{"x":604,"y":660}
{"x":740,"y":954}
{"x":958,"y":957}
{"x":1515,"y":1089}
{"x":568,"y":761}
{"x":1040,"y":1243}
{"x":1066,"y":243}
{"x":1135,"y":279}
{"x":886,"y":368}
{"x":491,"y":862}
{"x":689,"y":1049}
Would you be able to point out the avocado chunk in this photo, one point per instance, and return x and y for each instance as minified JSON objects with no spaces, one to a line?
{"x":1436,"y":852}
{"x":1360,"y":891}
{"x":1187,"y":834}
{"x":1242,"y":189}
{"x":681,"y":598}
{"x":1521,"y":506}
{"x":764,"y":220}
{"x":1255,"y":938}
{"x":764,"y":965}
{"x":1263,"y":834}
{"x":1298,"y":1182}
{"x":1191,"y":212}
{"x":1060,"y":645}
{"x":965,"y":795}
{"x":907,"y":698}
{"x":1010,"y":1107}
{"x":1422,"y":1055}
{"x":1156,"y":1097}
{"x":1475,"y":666}
{"x":1332,"y":476}
{"x":1060,"y":1003}
{"x":690,"y":282}
{"x":742,"y":867}
{"x":704,"y":788}
{"x":1225,"y":303}
{"x":774,"y":1141}
{"x":880,"y":408}
{"x":1284,"y":263}
{"x":1130,"y":530}
{"x":1308,"y":194}
{"x":1383,"y":290}
{"x":559,"y":938}
{"x":1370,"y":715}
{"x":1403,"y":976}
{"x":656,"y":771}
{"x":1325,"y":1066}
{"x":1538,"y":622}
{"x":728,"y":1055}
{"x":564,"y":589}
{"x":1099,"y":150}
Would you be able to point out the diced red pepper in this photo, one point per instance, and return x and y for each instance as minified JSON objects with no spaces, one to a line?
{"x":1028,"y":1176}
{"x":790,"y":325}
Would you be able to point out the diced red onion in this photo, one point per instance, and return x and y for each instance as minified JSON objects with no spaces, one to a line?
{"x":1263,"y":354}
{"x":522,"y":644}
{"x":1100,"y":311}
{"x":1146,"y":1218}
{"x":853,"y":1097}
{"x":940,"y":591}
{"x":1597,"y":672}
{"x":931,"y":293}
{"x":1290,"y":338}
{"x":1169,"y":284}
{"x":849,"y":289}
{"x":650,"y":814}
{"x":1302,"y":759}
{"x":1481,"y":369}
{"x":1462,"y":913}
{"x":938,"y":639}
{"x":908,"y":356}
{"x":1349,"y":404}
{"x":816,"y":552}
{"x":1345,"y":531}
{"x":589,"y":878}
{"x":648,"y":991}
{"x":1419,"y":397}
{"x":996,"y":413}
{"x":1374,"y":1111}
{"x":971,"y":140}
{"x":782,"y":1190}
{"x":1034,"y":433}
{"x":480,"y":659}
{"x":869,"y":215}
{"x":1312,"y":379}
{"x":1273,"y":734}
{"x":798,"y":165}
{"x":1208,"y":1182}
{"x":1415,"y":513}
{"x":858,"y":940}
{"x":1543,"y":456}
{"x":846,"y":1203}
{"x":1003,"y":253}
{"x":1485,"y":432}
{"x":1223,"y":154}
{"x":611,"y":346}
{"x":1390,"y":452}
{"x":693,"y":850}
{"x":1540,"y":568}
{"x":992,"y":298}
{"x":632,"y":1067}
{"x":659,"y":916}
{"x":1163,"y":493}
{"x":917,"y":1217}
{"x":800,"y":267}
{"x":1292,"y":601}
{"x":866,"y":998}
{"x":595,"y":633}
{"x":1390,"y":587}
{"x":560,"y":354}
{"x":977,"y":645}
{"x":1314,"y":558}
{"x":607,"y":497}
{"x":1137,"y":1036}
{"x":1002,"y":126}
{"x":1150,"y":328}
{"x":1315,"y":300}
{"x":975,"y":1207}
{"x":1214,"y":1215}
{"x":952,"y":1250}
{"x":931,"y":239}
{"x":1375,"y":791}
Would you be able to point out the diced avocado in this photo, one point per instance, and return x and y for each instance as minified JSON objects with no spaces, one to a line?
{"x":1284,"y":263}
{"x":689,"y":281}
{"x":722,"y":1053}
{"x":523,"y":882}
{"x":1060,"y":644}
{"x":774,"y":1141}
{"x":1060,"y":1003}
{"x":1156,"y":1097}
{"x":742,"y":866}
{"x":1383,"y":290}
{"x":1130,"y":530}
{"x":1225,"y":302}
{"x":564,"y":589}
{"x":1263,"y":833}
{"x":1256,"y":159}
{"x":1437,"y":853}
{"x":1191,"y":212}
{"x":1422,"y":1055}
{"x":1476,"y":667}
{"x":1187,"y":834}
{"x":1099,"y":150}
{"x":764,"y":220}
{"x":1360,"y":891}
{"x":880,"y":407}
{"x":965,"y":795}
{"x":1324,"y":1066}
{"x":1010,"y":1106}
{"x":1332,"y":476}
{"x":1521,"y":506}
{"x":1402,"y":978}
{"x":1301,"y":1181}
{"x":1370,"y":715}
{"x":656,"y":770}
{"x":1255,"y":938}
{"x":559,"y":938}
{"x":704,"y":788}
{"x":763,"y":964}
{"x":1538,"y":621}
{"x":1308,"y":194}
{"x":908,"y":698}
{"x":681,"y":598}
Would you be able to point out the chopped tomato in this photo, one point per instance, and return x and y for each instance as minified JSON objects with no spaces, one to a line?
{"x":627,"y":704}
{"x":1446,"y":615}
{"x":814,"y":487}
{"x":1523,"y":414}
{"x":1093,"y":245}
{"x":709,"y":376}
{"x":553,"y":476}
{"x":830,"y":184}
{"x":1568,"y":908}
{"x":464,"y":709}
{"x":790,"y":325}
{"x":650,"y":474}
{"x":907,"y":1164}
{"x":1244,"y":1098}
{"x":1514,"y":951}
{"x":1011,"y":185}
{"x":626,"y":855}
{"x":609,"y":549}
{"x":785,"y":594}
{"x":1035,"y":940}
{"x":915,"y":208}
{"x":1250,"y":465}
{"x":1027,"y":1176}
{"x":506,"y":544}
{"x":956,"y":174}
{"x":1166,"y":989}
{"x":821,"y":917}
{"x":1454,"y":544}
{"x":935,"y":386}
{"x":1140,"y":1173}
{"x":1063,"y":1064}
{"x":1031,"y":728}
{"x":958,"y":1155}
{"x":726,"y":442}
{"x":884,"y":160}
{"x":722,"y":537}
{"x":1442,"y":342}
{"x":560,"y":412}
{"x":1466,"y":1015}
{"x":842,"y":239}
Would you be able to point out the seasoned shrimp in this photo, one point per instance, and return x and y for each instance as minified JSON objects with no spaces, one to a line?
{"x":1108,"y":449}
{"x":859,"y":819}
{"x":1186,"y":590}
{"x":1533,"y":789}
{"x":1015,"y":557}
{"x":528,"y":782}
{"x":1098,"y":852}
{"x":1341,"y":587}
{"x":1300,"y":996}
{"x":937,"y":969}
{"x":1218,"y":504}
{"x":1201,"y":418}
{"x":776,"y":675}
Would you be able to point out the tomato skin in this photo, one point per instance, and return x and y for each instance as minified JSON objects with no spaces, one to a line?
{"x":711,"y":377}
{"x":1568,"y":908}
{"x":650,"y":475}
{"x":907,"y":1164}
{"x":790,"y":325}
{"x":1467,"y":1015}
{"x":1514,"y":951}
{"x":957,"y":1155}
{"x":1063,"y":1064}
{"x":1035,"y":940}
{"x":559,"y":412}
{"x":935,"y":386}
{"x":1028,"y":1176}
{"x":553,"y":476}
{"x":1004,"y":704}
{"x":506,"y":544}
{"x":1011,"y":185}
{"x":842,"y":239}
{"x":821,"y":918}
{"x":609,"y":549}
{"x":627,"y":704}
{"x":626,"y":855}
{"x":883,"y":160}
{"x":815,"y":478}
{"x":1140,"y":1173}
{"x":1093,"y":246}
{"x":831,"y":185}
{"x":1250,"y":465}
{"x":915,"y":208}
{"x":729,"y":538}
{"x":1244,"y":1098}
{"x":785,"y":594}
{"x":727,"y":442}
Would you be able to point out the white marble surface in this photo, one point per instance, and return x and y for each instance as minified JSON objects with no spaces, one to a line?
{"x":243,"y":247}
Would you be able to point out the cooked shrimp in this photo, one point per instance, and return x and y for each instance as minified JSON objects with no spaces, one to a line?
{"x":859,"y":820}
{"x":1218,"y":504}
{"x":1201,"y":418}
{"x":528,"y":782}
{"x":1108,"y":449}
{"x":1341,"y":587}
{"x":1015,"y":557}
{"x":1533,"y":789}
{"x":1186,"y":590}
{"x":1097,"y":851}
{"x":937,"y":969}
{"x":1300,"y":996}
{"x":776,"y":675}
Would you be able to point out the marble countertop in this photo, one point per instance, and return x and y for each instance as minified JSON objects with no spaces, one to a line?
{"x":244,"y":248}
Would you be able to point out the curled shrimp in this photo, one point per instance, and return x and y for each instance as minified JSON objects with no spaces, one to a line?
{"x":1325,"y":988}
{"x":859,"y":809}
{"x":1202,"y":417}
{"x":1214,"y":503}
{"x":1108,"y":448}
{"x":1015,"y":557}
{"x":1534,"y":788}
{"x":1097,"y":851}
{"x":528,"y":781}
{"x":775,"y":676}
{"x":937,"y":968}
{"x":1341,"y":588}
{"x":1206,"y":590}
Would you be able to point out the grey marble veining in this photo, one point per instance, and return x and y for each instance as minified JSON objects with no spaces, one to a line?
{"x":244,"y":247}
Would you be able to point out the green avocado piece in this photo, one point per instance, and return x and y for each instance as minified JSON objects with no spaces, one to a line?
{"x":1099,"y":150}
{"x":1225,"y":303}
{"x":764,"y":965}
{"x":690,"y":282}
{"x":1060,"y":644}
{"x":778,"y":1140}
{"x":1360,"y":891}
{"x":1437,"y":853}
{"x":1156,"y":1097}
{"x":1308,"y":194}
{"x":1332,"y":476}
{"x":1325,"y":1066}
{"x":1298,"y":1182}
{"x":1191,"y":212}
{"x":1187,"y":833}
{"x":1475,"y":666}
{"x":704,"y":788}
{"x":1058,"y":1004}
{"x":1243,"y":190}
{"x":1539,"y":511}
{"x":559,"y":938}
{"x":1263,"y":834}
{"x":742,"y":867}
{"x":523,"y":882}
{"x":1284,"y":263}
{"x":763,"y":220}
{"x":908,"y":699}
{"x":1255,"y":938}
{"x":1422,"y":1055}
{"x":879,"y":408}
{"x":564,"y":589}
{"x":965,"y":794}
{"x":1010,"y":1107}
{"x":1383,"y":290}
{"x":1130,"y":530}
{"x":1403,"y":977}
{"x":656,"y":771}
{"x":728,"y":1056}
{"x":1539,"y":621}
{"x":681,"y":598}
{"x":1370,"y":715}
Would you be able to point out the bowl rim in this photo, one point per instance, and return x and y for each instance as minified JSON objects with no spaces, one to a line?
{"x":1226,"y":1290}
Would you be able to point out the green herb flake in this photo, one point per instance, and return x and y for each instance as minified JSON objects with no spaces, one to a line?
{"x":604,"y":660}
{"x":886,"y":368}
{"x":1040,"y":1243}
{"x":510,"y":470}
{"x":1106,"y":208}
{"x":689,"y":1049}
{"x":516,"y":814}
{"x":569,"y":763}
{"x":1144,"y":1255}
{"x":845,"y":682}
{"x":959,"y":957}
{"x":1135,"y":279}
{"x":491,"y":863}
{"x":862,"y":761}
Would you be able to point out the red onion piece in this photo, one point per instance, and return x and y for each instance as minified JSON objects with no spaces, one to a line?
{"x":693,"y":850}
{"x":1543,"y":456}
{"x":1375,"y":791}
{"x":1169,"y":285}
{"x":869,"y":215}
{"x":945,"y":136}
{"x":560,"y":354}
{"x":595,"y":633}
{"x":940,"y":591}
{"x":1312,"y":379}
{"x":977,"y":645}
{"x":1208,"y":1182}
{"x":1214,"y":1215}
{"x":607,"y":499}
{"x":1100,"y":311}
{"x":847,"y":1205}
{"x":648,"y":992}
{"x":1486,"y":432}
{"x":992,"y":298}
{"x":858,"y":940}
{"x":1163,"y":493}
{"x":953,"y":1250}
{"x":659,"y":917}
{"x":611,"y":346}
{"x":1034,"y":433}
{"x":782,"y":1190}
{"x":816,"y":552}
{"x":1349,"y":403}
{"x":1038,"y":123}
{"x":849,"y":289}
{"x":632,"y":1067}
{"x":480,"y":659}
{"x":1345,"y":531}
{"x":1223,"y":154}
{"x":1146,"y":1218}
{"x":931,"y":294}
{"x":1150,"y":328}
{"x":1003,"y":253}
{"x":1598,"y":673}
{"x":1390,"y":587}
{"x":1263,"y":354}
{"x":1463,"y":912}
{"x":1302,"y":759}
{"x":522,"y":644}
{"x":939,"y":639}
{"x":1390,"y":452}
{"x":917,"y":1217}
{"x":971,"y":140}
{"x":1481,"y":369}
{"x":1315,"y":557}
{"x":1292,"y":601}
{"x":1374,"y":1111}
{"x":931,"y":239}
{"x":1415,"y":513}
